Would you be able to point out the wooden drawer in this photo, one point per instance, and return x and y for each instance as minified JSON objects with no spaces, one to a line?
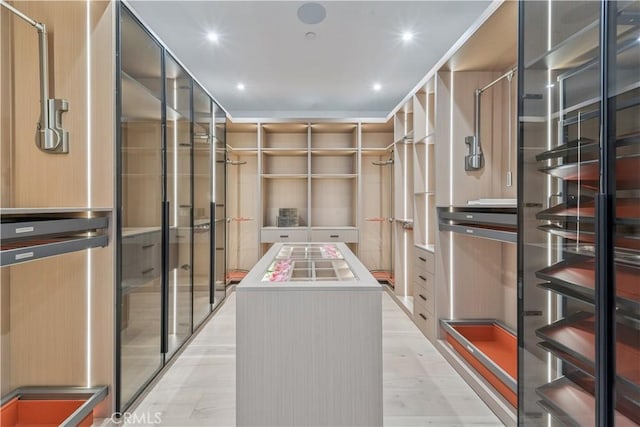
{"x":422,"y":299}
{"x":334,"y":235}
{"x":425,"y":280}
{"x":283,"y":234}
{"x":424,"y":260}
{"x":425,"y":321}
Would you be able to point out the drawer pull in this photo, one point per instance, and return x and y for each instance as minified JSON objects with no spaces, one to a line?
{"x":469,"y":216}
{"x":422,"y":277}
{"x":148,"y":270}
{"x":422,"y":296}
{"x":284,"y":236}
{"x":334,"y":236}
{"x":423,"y":316}
{"x":470,"y":231}
{"x":148,"y":246}
{"x":422,"y":259}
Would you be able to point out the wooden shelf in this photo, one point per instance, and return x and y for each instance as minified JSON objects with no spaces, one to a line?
{"x":284,"y":176}
{"x":334,"y":175}
{"x":285,"y":151}
{"x":333,"y":151}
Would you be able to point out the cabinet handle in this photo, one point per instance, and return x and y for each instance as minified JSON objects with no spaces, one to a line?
{"x":148,"y":246}
{"x":284,"y":236}
{"x":422,"y":296}
{"x":422,"y":277}
{"x":334,"y":236}
{"x":422,"y":259}
{"x":148,"y":270}
{"x":423,"y":316}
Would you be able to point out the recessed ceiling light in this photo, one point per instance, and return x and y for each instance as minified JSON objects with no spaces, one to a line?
{"x":240,"y":86}
{"x":407,"y":36}
{"x":213,"y":37}
{"x":377,"y":87}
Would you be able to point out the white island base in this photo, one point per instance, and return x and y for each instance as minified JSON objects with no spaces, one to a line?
{"x":309,"y":352}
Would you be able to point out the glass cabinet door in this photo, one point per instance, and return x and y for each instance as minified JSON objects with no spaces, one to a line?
{"x":220,"y":186}
{"x":202,"y":198}
{"x":562,"y":255}
{"x":624,"y":138}
{"x":140,"y":204}
{"x":180,"y":203}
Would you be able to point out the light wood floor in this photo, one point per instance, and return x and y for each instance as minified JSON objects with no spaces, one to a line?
{"x":420,"y":387}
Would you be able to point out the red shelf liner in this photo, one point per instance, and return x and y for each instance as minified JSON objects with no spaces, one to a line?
{"x":578,"y":334}
{"x":583,"y":273}
{"x":590,"y":237}
{"x":382,"y":275}
{"x":495,"y":343}
{"x":577,"y":403}
{"x":587,"y":174}
{"x":41,"y":413}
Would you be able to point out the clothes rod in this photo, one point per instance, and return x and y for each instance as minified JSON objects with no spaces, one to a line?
{"x":505,"y":75}
{"x":39,"y":26}
{"x":50,"y":136}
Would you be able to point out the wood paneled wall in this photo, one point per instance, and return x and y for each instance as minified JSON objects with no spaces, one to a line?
{"x":57,"y":316}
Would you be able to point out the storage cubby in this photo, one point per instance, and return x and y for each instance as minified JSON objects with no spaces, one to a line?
{"x":377,"y":138}
{"x":424,"y":112}
{"x":285,"y":136}
{"x":278,"y":192}
{"x":284,"y":163}
{"x":334,"y":164}
{"x":334,"y":137}
{"x":403,"y":123}
{"x":242,"y":137}
{"x":333,"y":202}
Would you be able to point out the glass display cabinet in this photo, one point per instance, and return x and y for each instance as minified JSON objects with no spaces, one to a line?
{"x":579,"y":204}
{"x":170,"y":190}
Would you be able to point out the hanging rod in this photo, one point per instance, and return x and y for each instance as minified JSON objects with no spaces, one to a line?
{"x":383,"y":162}
{"x":50,"y":136}
{"x":475,"y":159}
{"x":236,"y":162}
{"x":505,"y":75}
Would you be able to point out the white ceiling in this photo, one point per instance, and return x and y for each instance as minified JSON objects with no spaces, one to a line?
{"x":262,"y":44}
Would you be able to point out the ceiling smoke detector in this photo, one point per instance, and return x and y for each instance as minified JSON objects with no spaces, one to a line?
{"x":312,"y":13}
{"x":310,"y":35}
